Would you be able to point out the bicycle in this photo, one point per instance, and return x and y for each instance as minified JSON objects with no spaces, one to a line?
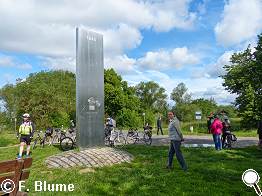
{"x":68,"y":143}
{"x":38,"y":138}
{"x":133,"y":137}
{"x":58,"y":136}
{"x":230,"y":140}
{"x":114,"y":138}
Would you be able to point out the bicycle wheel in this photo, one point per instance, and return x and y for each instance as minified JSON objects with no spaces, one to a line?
{"x":107,"y":140}
{"x":120,"y":141}
{"x":35,"y":142}
{"x":42,"y":143}
{"x":54,"y":139}
{"x":228,"y":143}
{"x":147,"y":139}
{"x":67,"y":143}
{"x":62,"y":136}
{"x":130,"y":139}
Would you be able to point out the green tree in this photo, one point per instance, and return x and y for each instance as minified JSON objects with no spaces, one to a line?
{"x":186,"y":112}
{"x":244,"y":78}
{"x":205,"y":106}
{"x":121,"y":101}
{"x":151,"y":96}
{"x":180,"y":94}
{"x":118,"y":94}
{"x":45,"y":95}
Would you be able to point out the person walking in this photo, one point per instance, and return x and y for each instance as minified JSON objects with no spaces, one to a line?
{"x":259,"y":132}
{"x":159,"y":125}
{"x":176,"y":138}
{"x":26,"y":131}
{"x":216,"y":130}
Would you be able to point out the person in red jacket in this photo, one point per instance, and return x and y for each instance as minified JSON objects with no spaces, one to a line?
{"x":216,"y":130}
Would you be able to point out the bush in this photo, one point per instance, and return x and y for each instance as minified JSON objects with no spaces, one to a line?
{"x":128,"y":118}
{"x":59,"y":119}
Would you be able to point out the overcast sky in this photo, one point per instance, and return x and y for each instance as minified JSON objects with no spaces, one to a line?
{"x":167,"y":41}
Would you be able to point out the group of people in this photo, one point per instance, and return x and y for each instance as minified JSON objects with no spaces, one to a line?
{"x":219,"y":124}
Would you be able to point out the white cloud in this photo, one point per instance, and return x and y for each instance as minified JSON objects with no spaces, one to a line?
{"x":165,"y":59}
{"x":172,"y":13}
{"x":6,"y":61}
{"x":25,"y":66}
{"x":121,"y":38}
{"x":9,"y":61}
{"x":122,"y":64}
{"x":48,"y":27}
{"x":59,"y":63}
{"x":241,"y":20}
{"x":202,"y":7}
{"x":217,"y":92}
{"x":200,"y":88}
{"x":216,"y":69}
{"x":8,"y":78}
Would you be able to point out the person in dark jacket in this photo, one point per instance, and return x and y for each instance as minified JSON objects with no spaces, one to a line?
{"x":210,"y":120}
{"x":159,"y":125}
{"x":259,"y":132}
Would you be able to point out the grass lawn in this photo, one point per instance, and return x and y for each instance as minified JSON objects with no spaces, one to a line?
{"x":8,"y":139}
{"x":210,"y":173}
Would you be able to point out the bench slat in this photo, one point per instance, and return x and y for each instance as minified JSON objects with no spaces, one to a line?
{"x":24,"y":176}
{"x":27,"y":163}
{"x":9,"y":166}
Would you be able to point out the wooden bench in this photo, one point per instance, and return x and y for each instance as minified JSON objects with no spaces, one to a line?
{"x":14,"y":170}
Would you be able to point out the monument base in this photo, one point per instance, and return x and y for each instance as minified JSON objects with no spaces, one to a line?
{"x":90,"y":157}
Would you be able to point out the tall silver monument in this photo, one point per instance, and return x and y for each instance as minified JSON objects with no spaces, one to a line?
{"x":89,"y":88}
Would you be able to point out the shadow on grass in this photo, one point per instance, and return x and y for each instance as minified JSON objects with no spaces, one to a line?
{"x":210,"y":173}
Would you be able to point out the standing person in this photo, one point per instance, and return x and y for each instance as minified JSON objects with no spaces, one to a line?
{"x":26,"y":131}
{"x":216,"y":130}
{"x":224,"y":116}
{"x":225,"y":130}
{"x":159,"y":125}
{"x":176,"y":138}
{"x":210,"y":120}
{"x":111,"y":125}
{"x":259,"y":132}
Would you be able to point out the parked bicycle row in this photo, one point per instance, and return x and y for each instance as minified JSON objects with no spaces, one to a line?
{"x":63,"y":137}
{"x":115,"y":137}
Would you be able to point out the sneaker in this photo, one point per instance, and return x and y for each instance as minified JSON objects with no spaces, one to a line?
{"x":27,"y":156}
{"x":19,"y":157}
{"x":169,"y":167}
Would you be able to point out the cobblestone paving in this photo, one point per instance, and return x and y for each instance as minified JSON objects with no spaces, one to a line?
{"x":91,"y":157}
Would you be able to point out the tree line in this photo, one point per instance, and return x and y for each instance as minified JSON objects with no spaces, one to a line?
{"x":50,"y":96}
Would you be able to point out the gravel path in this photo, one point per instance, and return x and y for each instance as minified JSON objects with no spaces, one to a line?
{"x":203,"y":141}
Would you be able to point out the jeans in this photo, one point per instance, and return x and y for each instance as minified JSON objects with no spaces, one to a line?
{"x":160,"y":130}
{"x":175,"y":149}
{"x":217,"y":141}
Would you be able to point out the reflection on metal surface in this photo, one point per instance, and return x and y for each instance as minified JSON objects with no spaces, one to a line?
{"x":89,"y":88}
